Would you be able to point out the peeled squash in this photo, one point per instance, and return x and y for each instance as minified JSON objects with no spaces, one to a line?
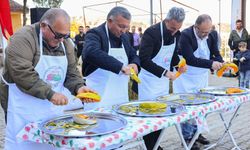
{"x":84,"y":119}
{"x":89,"y":95}
{"x":181,"y":63}
{"x":153,"y":108}
{"x":134,"y":76}
{"x":232,"y":66}
{"x":234,"y":90}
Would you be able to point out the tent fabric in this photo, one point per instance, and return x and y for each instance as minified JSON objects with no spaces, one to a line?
{"x":5,"y":18}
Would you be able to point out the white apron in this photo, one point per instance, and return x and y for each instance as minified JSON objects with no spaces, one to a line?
{"x":24,"y":108}
{"x":113,"y":88}
{"x":151,"y":86}
{"x":195,"y":78}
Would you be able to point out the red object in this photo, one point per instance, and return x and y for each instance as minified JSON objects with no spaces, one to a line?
{"x":5,"y":18}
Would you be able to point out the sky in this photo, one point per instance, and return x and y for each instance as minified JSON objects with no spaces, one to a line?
{"x":211,"y":7}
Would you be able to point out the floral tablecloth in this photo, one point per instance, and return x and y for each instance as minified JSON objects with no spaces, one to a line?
{"x":136,"y":127}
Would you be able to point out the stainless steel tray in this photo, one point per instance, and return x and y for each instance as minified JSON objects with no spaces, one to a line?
{"x":171,"y":109}
{"x":189,"y":98}
{"x":221,"y":91}
{"x":106,"y":123}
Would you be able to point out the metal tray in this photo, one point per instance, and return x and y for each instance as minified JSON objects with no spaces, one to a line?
{"x":189,"y":98}
{"x":221,"y":91}
{"x":106,"y":123}
{"x":171,"y":109}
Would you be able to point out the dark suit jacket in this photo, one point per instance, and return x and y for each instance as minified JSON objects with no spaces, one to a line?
{"x":95,"y":51}
{"x":188,"y":44}
{"x":150,"y":46}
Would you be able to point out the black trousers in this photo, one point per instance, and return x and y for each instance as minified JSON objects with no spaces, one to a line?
{"x":151,"y":139}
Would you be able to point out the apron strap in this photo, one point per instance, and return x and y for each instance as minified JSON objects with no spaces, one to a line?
{"x":162,"y":40}
{"x":41,"y":44}
{"x":4,"y":80}
{"x":161,"y":27}
{"x":107,"y":33}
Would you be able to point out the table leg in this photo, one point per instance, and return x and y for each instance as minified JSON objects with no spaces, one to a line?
{"x":227,"y":130}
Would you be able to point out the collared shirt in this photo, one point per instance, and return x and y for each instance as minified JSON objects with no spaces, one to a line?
{"x":239,"y":32}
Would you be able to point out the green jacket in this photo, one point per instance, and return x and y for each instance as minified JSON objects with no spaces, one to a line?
{"x":235,"y":39}
{"x":22,"y":55}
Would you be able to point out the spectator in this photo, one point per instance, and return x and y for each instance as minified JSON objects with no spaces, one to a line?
{"x":87,"y":28}
{"x":237,"y":35}
{"x":79,"y":41}
{"x":243,"y":56}
{"x":131,"y":38}
{"x":136,"y":38}
{"x":140,"y":32}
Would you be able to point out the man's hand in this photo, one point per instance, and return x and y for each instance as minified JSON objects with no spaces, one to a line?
{"x":59,"y":99}
{"x":242,"y":59}
{"x":170,"y":75}
{"x":182,"y":69}
{"x":125,"y":70}
{"x":134,"y":66}
{"x":216,"y":65}
{"x":84,"y":89}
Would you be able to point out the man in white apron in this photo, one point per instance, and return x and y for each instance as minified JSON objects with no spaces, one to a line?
{"x":200,"y":50}
{"x":158,"y":54}
{"x":38,"y":55}
{"x":108,"y":57}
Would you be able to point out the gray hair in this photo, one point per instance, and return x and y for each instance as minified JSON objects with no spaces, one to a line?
{"x":202,"y":18}
{"x":119,"y":11}
{"x":52,"y":14}
{"x":176,"y":13}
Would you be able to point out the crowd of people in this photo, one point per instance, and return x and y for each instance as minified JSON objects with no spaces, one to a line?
{"x":40,"y":75}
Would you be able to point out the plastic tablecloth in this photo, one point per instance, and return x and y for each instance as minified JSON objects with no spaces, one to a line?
{"x":136,"y":127}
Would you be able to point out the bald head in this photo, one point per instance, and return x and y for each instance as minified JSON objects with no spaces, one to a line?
{"x":55,"y":26}
{"x":203,"y":18}
{"x":53,"y":14}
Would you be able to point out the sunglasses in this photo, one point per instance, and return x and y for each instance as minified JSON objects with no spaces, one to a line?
{"x":58,"y":35}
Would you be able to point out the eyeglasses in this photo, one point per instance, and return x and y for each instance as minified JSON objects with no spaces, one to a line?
{"x":58,"y":35}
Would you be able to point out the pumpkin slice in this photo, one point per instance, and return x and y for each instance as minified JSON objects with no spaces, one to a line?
{"x":88,"y":95}
{"x":133,"y":76}
{"x":181,"y":63}
{"x":232,"y":66}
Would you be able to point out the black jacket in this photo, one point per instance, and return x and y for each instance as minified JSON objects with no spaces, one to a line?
{"x":95,"y":51}
{"x":150,"y":45}
{"x":245,"y":65}
{"x":188,"y":44}
{"x":78,"y":39}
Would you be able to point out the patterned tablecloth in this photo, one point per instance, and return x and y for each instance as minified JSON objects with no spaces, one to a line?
{"x":136,"y":127}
